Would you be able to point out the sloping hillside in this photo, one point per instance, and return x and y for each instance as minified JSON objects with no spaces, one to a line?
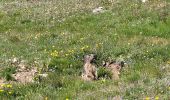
{"x":54,"y":35}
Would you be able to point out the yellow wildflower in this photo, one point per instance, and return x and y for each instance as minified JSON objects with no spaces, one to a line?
{"x":61,"y":51}
{"x":147,"y":98}
{"x":103,"y":80}
{"x":9,"y":86}
{"x":46,"y":98}
{"x":1,"y":90}
{"x":81,"y":38}
{"x":55,"y":53}
{"x":82,"y":48}
{"x":10,"y":92}
{"x":156,"y":98}
{"x":53,"y":46}
{"x":67,"y":99}
{"x":72,"y":51}
{"x":97,"y":45}
{"x":69,"y":50}
{"x":2,"y":85}
{"x":86,"y":46}
{"x":100,"y":43}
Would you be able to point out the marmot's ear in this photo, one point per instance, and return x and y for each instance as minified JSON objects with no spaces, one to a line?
{"x":112,"y":62}
{"x":95,"y":56}
{"x":122,"y":63}
{"x":103,"y":63}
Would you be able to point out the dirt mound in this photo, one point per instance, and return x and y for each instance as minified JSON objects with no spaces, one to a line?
{"x":25,"y":76}
{"x":24,"y":73}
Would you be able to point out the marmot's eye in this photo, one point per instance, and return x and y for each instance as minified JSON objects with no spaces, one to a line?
{"x":118,"y":67}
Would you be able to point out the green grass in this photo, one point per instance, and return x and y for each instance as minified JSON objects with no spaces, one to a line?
{"x":56,"y":34}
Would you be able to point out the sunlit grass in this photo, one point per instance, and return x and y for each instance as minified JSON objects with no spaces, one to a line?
{"x":55,"y":35}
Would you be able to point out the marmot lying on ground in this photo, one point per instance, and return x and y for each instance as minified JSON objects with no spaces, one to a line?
{"x":114,"y":67}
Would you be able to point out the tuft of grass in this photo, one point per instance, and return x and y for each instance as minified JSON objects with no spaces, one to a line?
{"x":7,"y":72}
{"x":104,"y":73}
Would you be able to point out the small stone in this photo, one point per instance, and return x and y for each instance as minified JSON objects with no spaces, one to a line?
{"x":14,"y":61}
{"x":98,"y":10}
{"x":144,"y":1}
{"x":43,"y":75}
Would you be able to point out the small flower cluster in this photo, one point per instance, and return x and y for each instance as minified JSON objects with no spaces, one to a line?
{"x":69,"y":52}
{"x":149,"y":98}
{"x":54,"y":53}
{"x":63,"y":53}
{"x":98,"y":45}
{"x":6,"y":89}
{"x":37,"y":35}
{"x":84,"y":47}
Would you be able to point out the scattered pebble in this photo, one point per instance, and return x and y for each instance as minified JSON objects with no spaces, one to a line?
{"x":98,"y":10}
{"x":144,"y":1}
{"x":43,"y":75}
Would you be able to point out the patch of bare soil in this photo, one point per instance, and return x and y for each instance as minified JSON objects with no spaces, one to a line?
{"x":24,"y":74}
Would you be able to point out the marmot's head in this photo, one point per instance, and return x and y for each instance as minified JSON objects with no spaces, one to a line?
{"x":89,"y":58}
{"x":118,"y":65}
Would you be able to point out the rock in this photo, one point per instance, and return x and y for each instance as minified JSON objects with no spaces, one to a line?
{"x":43,"y":75}
{"x":144,"y":1}
{"x":14,"y":61}
{"x":98,"y":10}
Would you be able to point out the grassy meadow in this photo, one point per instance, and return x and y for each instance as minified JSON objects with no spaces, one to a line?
{"x":55,"y":34}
